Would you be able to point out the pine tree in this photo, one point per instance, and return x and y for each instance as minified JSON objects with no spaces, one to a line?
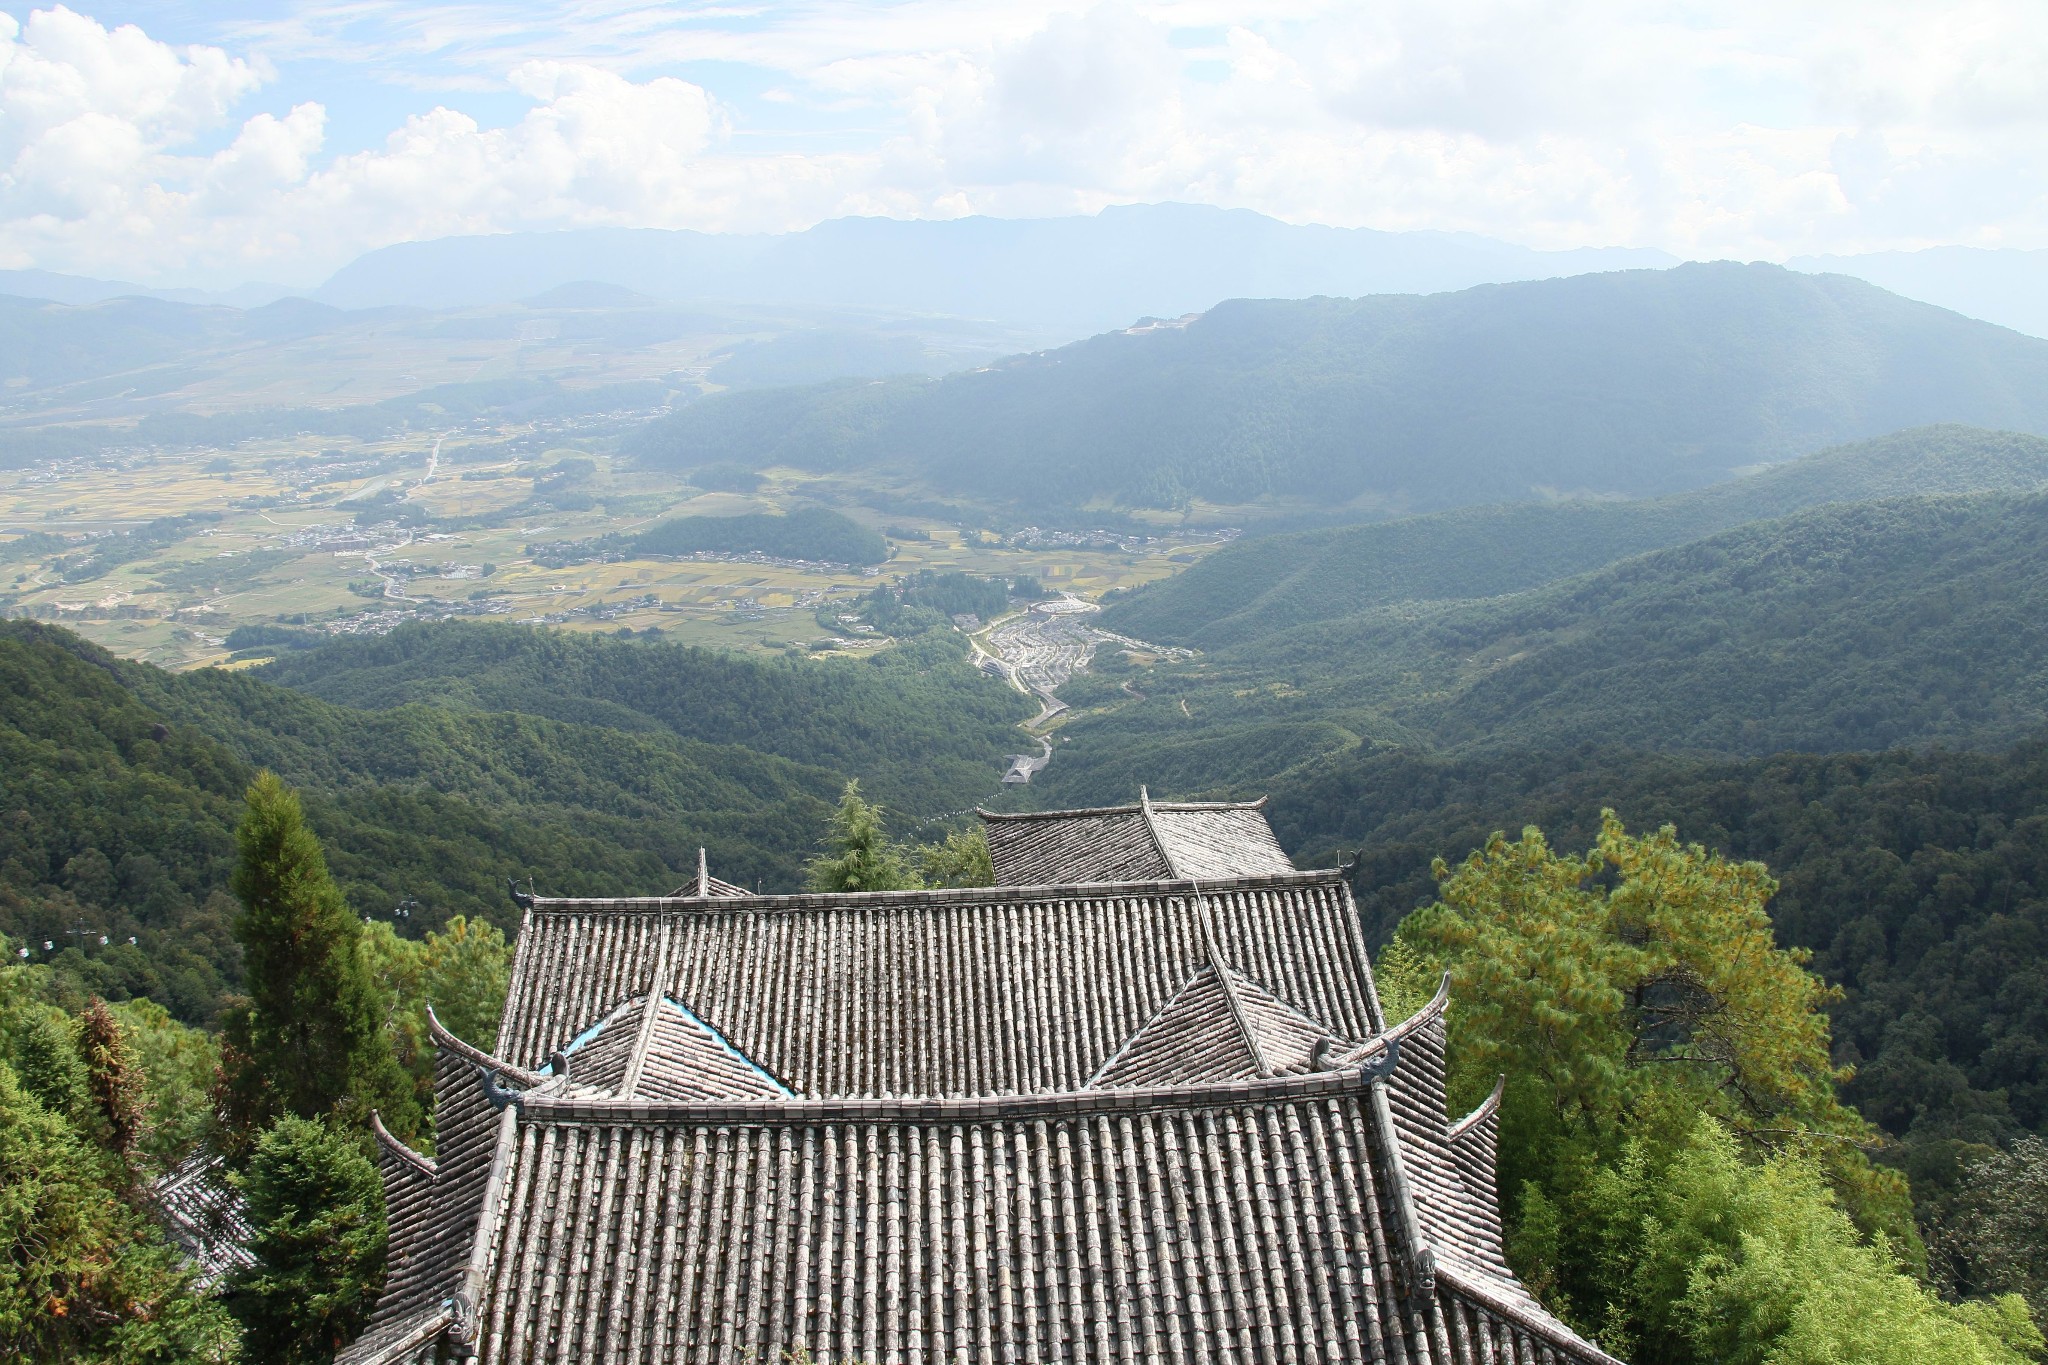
{"x":859,"y":856}
{"x":311,"y":1040}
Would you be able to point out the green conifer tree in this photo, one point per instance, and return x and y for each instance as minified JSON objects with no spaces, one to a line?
{"x":311,"y":1040}
{"x":858,"y":855}
{"x":83,"y":1278}
{"x":317,"y":1206}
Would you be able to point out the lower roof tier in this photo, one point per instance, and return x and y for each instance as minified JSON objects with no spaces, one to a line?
{"x":1251,"y":1221}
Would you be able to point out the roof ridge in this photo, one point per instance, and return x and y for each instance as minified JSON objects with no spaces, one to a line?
{"x":636,"y":1062}
{"x":940,"y":1109}
{"x":1224,"y":980}
{"x":484,"y":1241}
{"x":1417,"y":1020}
{"x":805,"y":900}
{"x":986,"y":814}
{"x":1487,"y":1108}
{"x":1152,"y":829}
{"x":1538,"y":1324}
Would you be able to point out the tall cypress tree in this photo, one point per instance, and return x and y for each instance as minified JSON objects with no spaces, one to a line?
{"x":311,"y":1041}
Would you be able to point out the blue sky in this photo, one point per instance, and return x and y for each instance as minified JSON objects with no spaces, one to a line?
{"x":211,"y":143}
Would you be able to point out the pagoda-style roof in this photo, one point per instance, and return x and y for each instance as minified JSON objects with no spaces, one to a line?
{"x":1285,"y":1217}
{"x":704,"y":884}
{"x":1152,"y":1120}
{"x":432,"y":1207}
{"x":1153,"y":839}
{"x":975,"y":991}
{"x":1221,"y":1026}
{"x":656,"y":1048}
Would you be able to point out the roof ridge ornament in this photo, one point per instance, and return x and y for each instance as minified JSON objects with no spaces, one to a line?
{"x":495,"y":1093}
{"x":1152,"y":829}
{"x":703,"y":872}
{"x":1381,"y":1068}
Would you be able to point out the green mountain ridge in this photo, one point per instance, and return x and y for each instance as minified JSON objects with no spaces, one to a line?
{"x":922,"y":729}
{"x":120,"y":784}
{"x":1635,"y":383}
{"x":1268,"y":584}
{"x":1858,"y":626}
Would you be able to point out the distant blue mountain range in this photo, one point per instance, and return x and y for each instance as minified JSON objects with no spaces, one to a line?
{"x":1063,"y":277}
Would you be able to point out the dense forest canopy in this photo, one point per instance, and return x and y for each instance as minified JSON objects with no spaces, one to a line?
{"x":1849,"y":627}
{"x":816,"y":533}
{"x":1918,"y":878}
{"x":1263,"y":585}
{"x":917,"y":723}
{"x":1634,"y":383}
{"x":120,"y":783}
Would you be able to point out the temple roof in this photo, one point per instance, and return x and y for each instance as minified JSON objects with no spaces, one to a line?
{"x":1221,"y":1026}
{"x":988,"y":990}
{"x":656,"y":1048}
{"x":1280,"y":1218}
{"x":205,"y":1215}
{"x":704,"y":884}
{"x":432,"y":1207}
{"x":1153,"y":839}
{"x":1156,"y":1120}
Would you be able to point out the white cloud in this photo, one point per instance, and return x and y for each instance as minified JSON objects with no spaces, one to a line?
{"x":1739,"y":127}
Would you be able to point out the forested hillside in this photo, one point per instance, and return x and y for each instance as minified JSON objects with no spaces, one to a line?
{"x":916,"y":723}
{"x":1265,"y":585}
{"x":1859,"y":626}
{"x":1919,"y":878}
{"x":120,"y":783}
{"x":1635,"y":383}
{"x":805,"y":533}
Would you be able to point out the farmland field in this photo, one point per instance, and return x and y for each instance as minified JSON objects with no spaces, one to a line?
{"x":333,"y":535}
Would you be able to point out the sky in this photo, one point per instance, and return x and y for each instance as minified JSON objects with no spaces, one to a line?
{"x":214,"y":142}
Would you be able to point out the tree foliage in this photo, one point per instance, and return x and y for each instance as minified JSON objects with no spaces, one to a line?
{"x":858,"y":855}
{"x":315,"y":1038}
{"x":1703,"y":1253}
{"x":317,"y":1207}
{"x":113,"y":1081}
{"x":461,"y":971}
{"x":959,"y":859}
{"x":1646,"y":964}
{"x":83,"y":1276}
{"x":1990,"y":1232}
{"x":1630,"y":995}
